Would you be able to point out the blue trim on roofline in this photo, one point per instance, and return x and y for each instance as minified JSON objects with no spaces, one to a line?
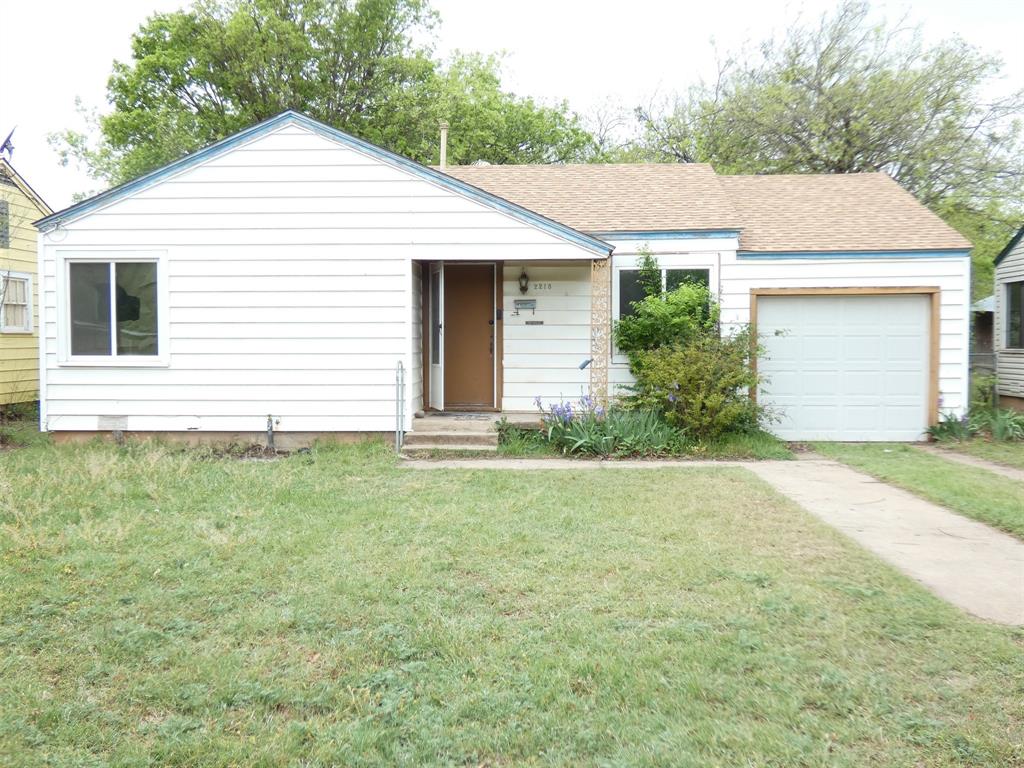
{"x":812,"y":255}
{"x":218,"y":148}
{"x":666,"y":234}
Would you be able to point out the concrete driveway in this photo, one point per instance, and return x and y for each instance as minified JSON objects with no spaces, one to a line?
{"x":971,"y":565}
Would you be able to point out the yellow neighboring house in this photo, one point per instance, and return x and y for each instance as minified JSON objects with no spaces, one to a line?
{"x":19,"y":287}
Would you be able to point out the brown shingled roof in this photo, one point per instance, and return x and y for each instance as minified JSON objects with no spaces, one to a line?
{"x":611,"y":198}
{"x":800,"y":212}
{"x":834,"y":212}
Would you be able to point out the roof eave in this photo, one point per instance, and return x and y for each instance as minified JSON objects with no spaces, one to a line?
{"x":895,"y":253}
{"x":669,"y":234}
{"x":582,"y":239}
{"x":26,"y":188}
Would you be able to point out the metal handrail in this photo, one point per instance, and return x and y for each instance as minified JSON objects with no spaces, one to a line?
{"x":399,"y":406}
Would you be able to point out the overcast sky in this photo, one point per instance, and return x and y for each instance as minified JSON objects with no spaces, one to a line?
{"x":585,"y":51}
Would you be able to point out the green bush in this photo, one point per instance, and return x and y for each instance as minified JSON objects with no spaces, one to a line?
{"x":665,"y":319}
{"x":698,"y":381}
{"x":514,"y":440}
{"x":1001,"y":424}
{"x":951,"y":427}
{"x":983,"y":392}
{"x":701,"y":387}
{"x":586,"y":428}
{"x":998,"y":424}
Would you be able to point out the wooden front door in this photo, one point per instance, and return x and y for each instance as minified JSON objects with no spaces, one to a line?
{"x":468,"y":336}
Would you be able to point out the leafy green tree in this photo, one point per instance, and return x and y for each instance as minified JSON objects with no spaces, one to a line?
{"x":486,"y":122}
{"x":198,"y":75}
{"x":847,"y":95}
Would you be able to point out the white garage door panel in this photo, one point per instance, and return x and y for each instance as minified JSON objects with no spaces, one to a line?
{"x":846,"y":367}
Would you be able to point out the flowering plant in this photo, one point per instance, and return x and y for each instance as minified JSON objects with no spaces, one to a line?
{"x":564,"y":412}
{"x":586,"y":427}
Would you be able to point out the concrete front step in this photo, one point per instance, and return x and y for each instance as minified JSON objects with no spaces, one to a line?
{"x":439,"y":437}
{"x":435,"y":424}
{"x":462,"y":448}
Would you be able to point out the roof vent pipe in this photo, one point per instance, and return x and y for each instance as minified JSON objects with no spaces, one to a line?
{"x":444,"y":144}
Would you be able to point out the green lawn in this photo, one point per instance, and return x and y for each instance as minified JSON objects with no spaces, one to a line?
{"x":333,"y":608}
{"x":971,"y":491}
{"x":1010,"y":454}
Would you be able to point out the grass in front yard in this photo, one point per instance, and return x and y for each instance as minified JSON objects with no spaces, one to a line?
{"x":20,"y":427}
{"x":1009,"y":453}
{"x":745,"y":445}
{"x":971,"y":491}
{"x":164,"y":607}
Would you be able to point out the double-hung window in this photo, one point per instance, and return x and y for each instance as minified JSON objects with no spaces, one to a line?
{"x":1015,"y":315}
{"x":16,"y":304}
{"x":113,"y":309}
{"x":630,"y":289}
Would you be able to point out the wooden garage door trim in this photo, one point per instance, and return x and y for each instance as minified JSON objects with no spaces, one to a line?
{"x":933,"y":332}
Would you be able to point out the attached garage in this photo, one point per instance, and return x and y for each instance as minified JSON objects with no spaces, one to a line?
{"x":852,"y":365}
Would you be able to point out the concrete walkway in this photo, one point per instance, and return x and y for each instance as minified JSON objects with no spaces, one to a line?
{"x":972,"y":461}
{"x":973,"y":566}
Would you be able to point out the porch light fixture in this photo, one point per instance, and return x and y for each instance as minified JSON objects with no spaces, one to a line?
{"x":524,"y":282}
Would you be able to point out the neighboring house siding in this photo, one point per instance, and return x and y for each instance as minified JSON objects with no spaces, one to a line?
{"x":290,"y":283}
{"x":543,"y":349}
{"x":1009,"y":362}
{"x":733,"y":278}
{"x":19,"y":352}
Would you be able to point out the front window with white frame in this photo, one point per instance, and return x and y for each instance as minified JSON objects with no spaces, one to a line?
{"x":16,"y":307}
{"x":113,"y":309}
{"x":631,"y":291}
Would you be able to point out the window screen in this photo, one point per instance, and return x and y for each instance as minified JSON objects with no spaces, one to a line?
{"x":121,"y":322}
{"x":676,"y":277}
{"x":1015,"y":315}
{"x":90,"y":308}
{"x":136,"y":308}
{"x":630,"y":291}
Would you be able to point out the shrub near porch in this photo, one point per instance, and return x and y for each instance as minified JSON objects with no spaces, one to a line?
{"x":172,"y":608}
{"x":692,"y":382}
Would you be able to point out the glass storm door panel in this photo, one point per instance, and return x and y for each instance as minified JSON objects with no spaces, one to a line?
{"x":435,"y":298}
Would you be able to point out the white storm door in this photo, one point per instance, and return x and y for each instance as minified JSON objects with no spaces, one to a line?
{"x":436,"y":335}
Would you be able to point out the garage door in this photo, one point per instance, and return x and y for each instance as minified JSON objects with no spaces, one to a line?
{"x":846,"y":367}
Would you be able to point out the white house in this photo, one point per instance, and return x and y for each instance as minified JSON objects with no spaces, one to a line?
{"x":285,"y":272}
{"x":1008,"y":325}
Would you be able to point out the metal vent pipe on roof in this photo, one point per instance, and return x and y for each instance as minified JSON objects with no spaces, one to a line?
{"x":444,"y":144}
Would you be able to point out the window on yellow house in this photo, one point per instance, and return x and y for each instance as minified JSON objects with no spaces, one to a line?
{"x":16,"y":309}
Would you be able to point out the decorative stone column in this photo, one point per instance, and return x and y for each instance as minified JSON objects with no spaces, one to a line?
{"x":600,"y":327}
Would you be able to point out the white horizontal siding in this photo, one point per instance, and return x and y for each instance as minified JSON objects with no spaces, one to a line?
{"x":543,"y":360}
{"x":1009,"y":362}
{"x":290,"y":289}
{"x":734,"y":278}
{"x":950,"y":275}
